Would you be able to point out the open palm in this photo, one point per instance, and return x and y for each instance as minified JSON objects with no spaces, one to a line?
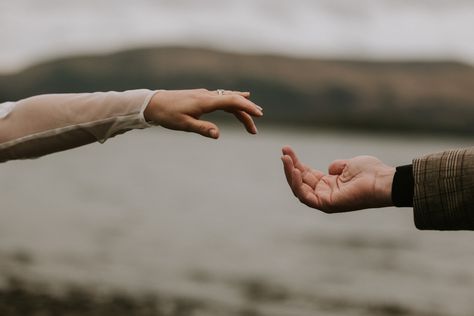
{"x":353,"y":184}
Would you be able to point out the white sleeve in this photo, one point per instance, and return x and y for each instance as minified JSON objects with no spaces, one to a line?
{"x":49,"y":123}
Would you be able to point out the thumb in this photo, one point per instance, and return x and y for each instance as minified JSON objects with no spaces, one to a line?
{"x":337,"y":167}
{"x":204,"y":128}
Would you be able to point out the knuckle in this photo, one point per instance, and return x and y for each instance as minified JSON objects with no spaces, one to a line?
{"x":203,"y":98}
{"x":234,"y":98}
{"x":199,"y":94}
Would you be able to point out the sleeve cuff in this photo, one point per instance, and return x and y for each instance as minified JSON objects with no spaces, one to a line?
{"x":6,"y":108}
{"x":147,"y":100}
{"x":403,"y":186}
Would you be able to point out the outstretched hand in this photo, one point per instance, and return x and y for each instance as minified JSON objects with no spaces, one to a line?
{"x":358,"y":183}
{"x":182,"y":109}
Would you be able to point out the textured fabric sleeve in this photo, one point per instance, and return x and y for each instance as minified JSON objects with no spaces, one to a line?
{"x":44,"y":124}
{"x":444,"y":190}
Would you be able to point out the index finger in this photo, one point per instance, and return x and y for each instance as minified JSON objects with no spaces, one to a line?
{"x":287,"y":150}
{"x":288,"y":168}
{"x":234,"y":102}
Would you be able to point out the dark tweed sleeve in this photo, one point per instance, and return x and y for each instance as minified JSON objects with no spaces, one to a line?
{"x":444,"y":190}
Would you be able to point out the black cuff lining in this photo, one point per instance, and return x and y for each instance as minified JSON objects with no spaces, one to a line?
{"x":403,"y":186}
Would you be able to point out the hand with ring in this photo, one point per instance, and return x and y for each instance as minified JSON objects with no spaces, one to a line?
{"x":182,"y":109}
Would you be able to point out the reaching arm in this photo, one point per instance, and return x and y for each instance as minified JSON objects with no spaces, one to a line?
{"x":45,"y":124}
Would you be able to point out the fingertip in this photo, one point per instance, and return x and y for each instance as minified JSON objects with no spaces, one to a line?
{"x":290,"y":152}
{"x":286,"y":149}
{"x":253,"y":130}
{"x":214,"y":133}
{"x":288,"y":165}
{"x":286,"y":158}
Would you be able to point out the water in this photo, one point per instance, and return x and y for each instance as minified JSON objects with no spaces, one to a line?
{"x":214,"y":220}
{"x":31,"y":30}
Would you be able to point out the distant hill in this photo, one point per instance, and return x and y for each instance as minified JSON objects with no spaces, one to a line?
{"x":398,"y":96}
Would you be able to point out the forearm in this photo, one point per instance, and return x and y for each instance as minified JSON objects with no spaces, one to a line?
{"x":49,"y":123}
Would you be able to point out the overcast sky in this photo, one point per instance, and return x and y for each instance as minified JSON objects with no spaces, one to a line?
{"x":32,"y":30}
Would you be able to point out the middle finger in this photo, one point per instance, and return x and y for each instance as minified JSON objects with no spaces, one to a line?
{"x":247,"y":121}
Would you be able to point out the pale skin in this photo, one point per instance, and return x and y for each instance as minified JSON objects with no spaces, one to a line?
{"x":44,"y":124}
{"x":182,"y":110}
{"x":352,"y":184}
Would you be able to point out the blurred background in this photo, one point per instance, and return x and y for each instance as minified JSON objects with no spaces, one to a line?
{"x":165,"y":223}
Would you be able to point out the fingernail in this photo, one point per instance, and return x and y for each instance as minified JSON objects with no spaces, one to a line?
{"x":213,"y":133}
{"x":260,"y":108}
{"x":255,"y":130}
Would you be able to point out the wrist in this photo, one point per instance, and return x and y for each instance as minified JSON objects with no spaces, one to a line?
{"x":383,"y":186}
{"x":150,"y":111}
